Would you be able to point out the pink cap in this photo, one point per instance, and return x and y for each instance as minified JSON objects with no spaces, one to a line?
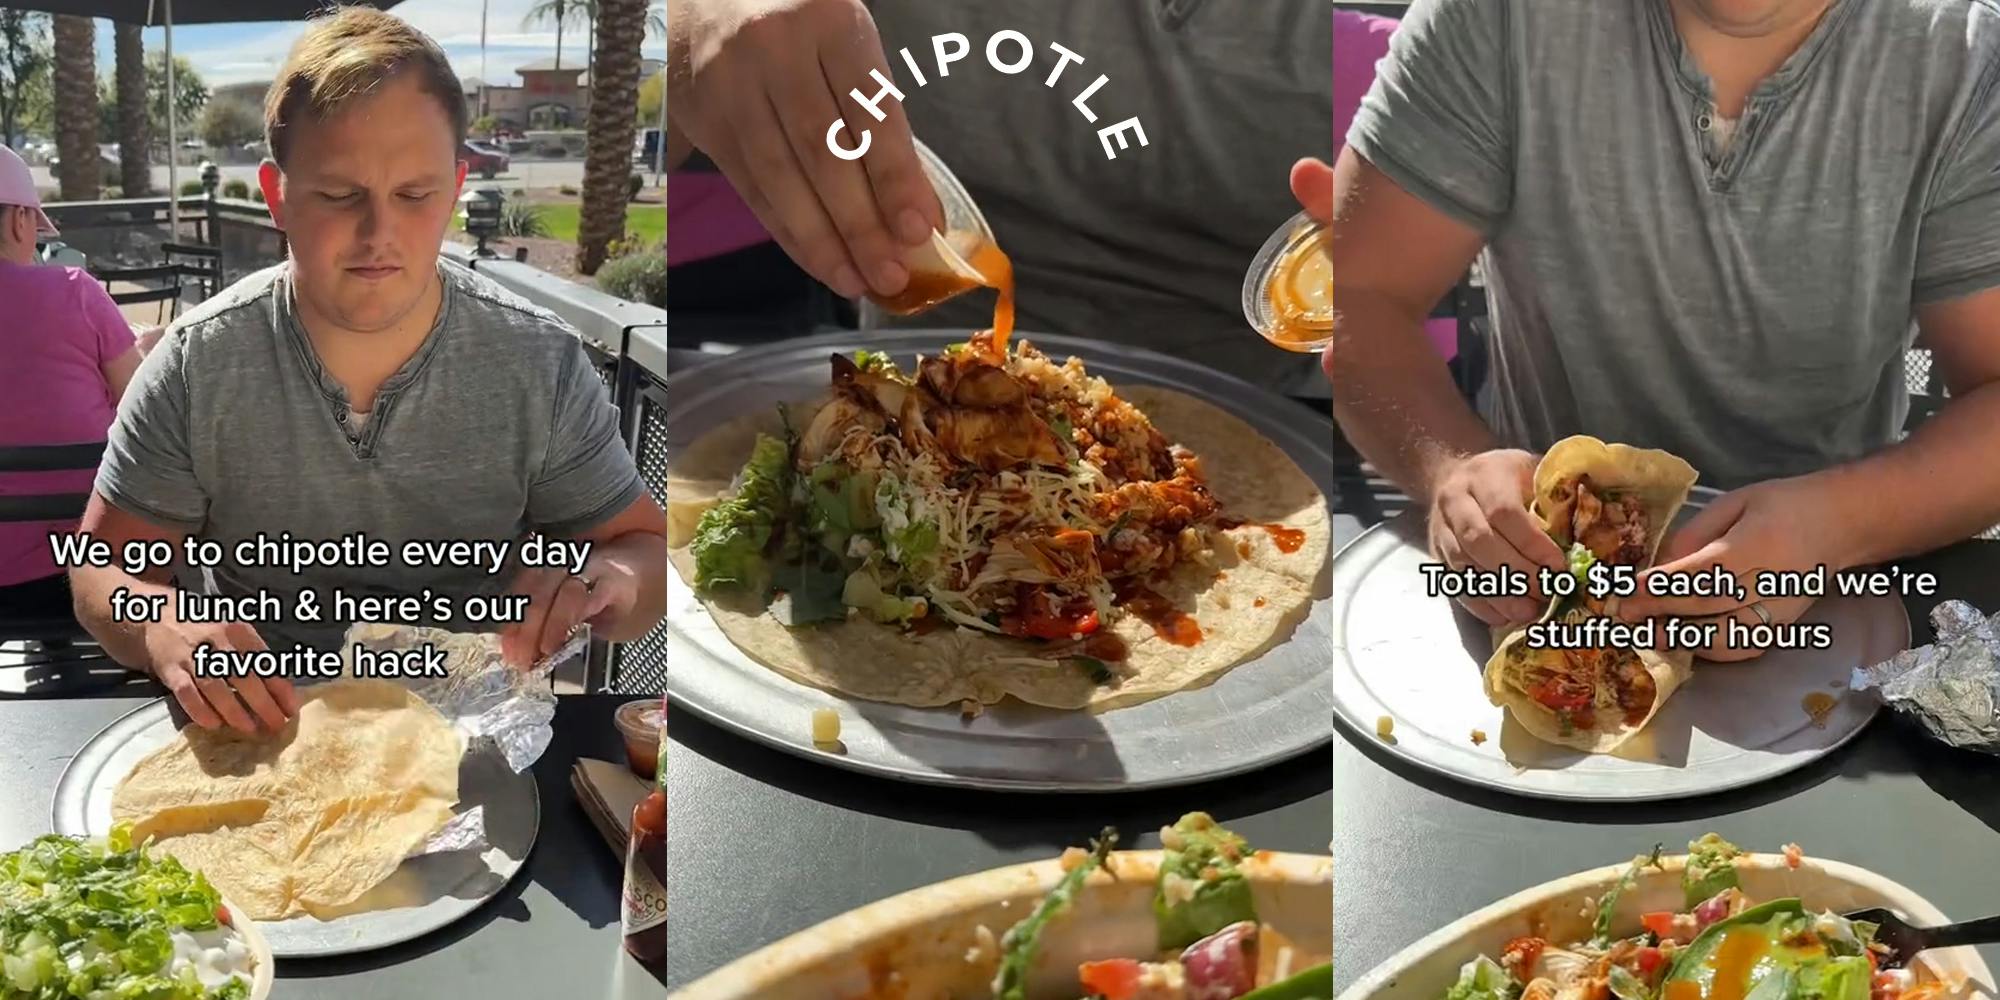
{"x":17,"y":187}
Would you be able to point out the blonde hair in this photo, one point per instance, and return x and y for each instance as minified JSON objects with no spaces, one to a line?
{"x":345,"y":54}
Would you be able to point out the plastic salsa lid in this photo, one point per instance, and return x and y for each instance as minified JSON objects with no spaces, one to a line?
{"x":1288,"y":291}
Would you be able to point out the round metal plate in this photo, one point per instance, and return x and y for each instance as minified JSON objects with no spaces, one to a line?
{"x":1417,"y":659}
{"x":1263,"y":711}
{"x":426,"y":893}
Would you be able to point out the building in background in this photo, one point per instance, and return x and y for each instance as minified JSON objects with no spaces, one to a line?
{"x":547,"y":99}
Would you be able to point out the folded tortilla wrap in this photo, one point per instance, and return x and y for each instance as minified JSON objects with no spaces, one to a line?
{"x":1506,"y":687}
{"x":1659,"y":479}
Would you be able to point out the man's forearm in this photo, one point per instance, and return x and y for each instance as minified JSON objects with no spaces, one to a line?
{"x":1394,"y":399}
{"x":91,"y":588}
{"x":644,"y":555}
{"x":1943,"y":483}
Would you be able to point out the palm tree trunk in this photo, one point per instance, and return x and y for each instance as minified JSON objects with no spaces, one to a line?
{"x":609,"y":139}
{"x":560,"y":18}
{"x":134,"y":163}
{"x":81,"y":179}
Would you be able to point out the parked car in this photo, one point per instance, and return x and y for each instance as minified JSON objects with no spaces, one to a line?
{"x":645,"y":146}
{"x":482,"y":159}
{"x":107,"y":163}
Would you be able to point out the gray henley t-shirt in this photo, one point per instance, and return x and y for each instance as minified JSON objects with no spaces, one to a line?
{"x":1749,"y":313}
{"x":497,"y":426}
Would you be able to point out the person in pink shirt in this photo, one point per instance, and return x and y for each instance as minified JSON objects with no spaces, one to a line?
{"x":69,"y":354}
{"x":1359,"y":42}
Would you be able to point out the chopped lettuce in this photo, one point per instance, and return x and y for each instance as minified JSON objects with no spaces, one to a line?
{"x":1606,"y":906}
{"x":863,"y":591}
{"x":1200,"y":889}
{"x":1795,"y":958}
{"x":911,"y":539}
{"x":59,"y":894}
{"x":1017,"y":946}
{"x":809,"y":590}
{"x":1711,"y":868}
{"x":1580,"y":561}
{"x":1483,"y":979}
{"x":842,"y":504}
{"x":731,"y":538}
{"x":870,"y":361}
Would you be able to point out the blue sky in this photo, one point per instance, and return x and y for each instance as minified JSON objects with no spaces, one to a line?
{"x":235,"y":53}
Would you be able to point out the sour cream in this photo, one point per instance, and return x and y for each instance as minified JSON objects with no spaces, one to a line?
{"x":217,"y":955}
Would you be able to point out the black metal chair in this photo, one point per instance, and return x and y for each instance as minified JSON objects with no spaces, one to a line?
{"x":160,"y":283}
{"x":55,"y":655}
{"x":202,"y":264}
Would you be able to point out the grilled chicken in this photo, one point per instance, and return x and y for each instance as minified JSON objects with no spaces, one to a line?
{"x":1614,"y":531}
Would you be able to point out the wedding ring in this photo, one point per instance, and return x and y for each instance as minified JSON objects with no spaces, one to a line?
{"x":1762,"y":615}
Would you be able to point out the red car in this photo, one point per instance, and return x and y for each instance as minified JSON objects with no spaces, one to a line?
{"x":482,"y":159}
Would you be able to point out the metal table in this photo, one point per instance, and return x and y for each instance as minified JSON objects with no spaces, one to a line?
{"x":1413,"y":851}
{"x":762,"y":844}
{"x":552,"y":932}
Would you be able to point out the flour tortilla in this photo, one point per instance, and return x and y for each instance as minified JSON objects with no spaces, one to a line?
{"x":1248,"y":602}
{"x":1661,"y":479}
{"x":1670,"y":670}
{"x":307,"y":819}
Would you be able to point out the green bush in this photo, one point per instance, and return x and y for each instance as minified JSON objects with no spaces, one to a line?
{"x":257,"y":195}
{"x":236,"y":188}
{"x":520,"y":219}
{"x":190,"y":187}
{"x":636,"y":277}
{"x":568,"y":189}
{"x":632,"y":194}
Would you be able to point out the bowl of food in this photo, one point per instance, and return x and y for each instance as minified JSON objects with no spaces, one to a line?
{"x":87,"y":918}
{"x":1204,"y":917}
{"x":1715,"y":922}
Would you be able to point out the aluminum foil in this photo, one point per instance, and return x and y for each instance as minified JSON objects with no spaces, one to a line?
{"x":495,"y":707}
{"x":1952,"y":686}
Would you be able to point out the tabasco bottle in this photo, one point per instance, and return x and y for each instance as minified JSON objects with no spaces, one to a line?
{"x":645,"y":916}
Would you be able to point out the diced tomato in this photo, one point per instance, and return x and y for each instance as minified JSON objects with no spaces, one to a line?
{"x":222,"y":916}
{"x":1521,"y":954}
{"x":1650,"y":959}
{"x":1112,"y":979}
{"x":1059,"y":625}
{"x":1661,"y":924}
{"x":1556,"y":695}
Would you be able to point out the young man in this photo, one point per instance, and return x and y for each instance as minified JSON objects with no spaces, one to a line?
{"x":69,"y":357}
{"x":1709,"y":226}
{"x":365,"y":386}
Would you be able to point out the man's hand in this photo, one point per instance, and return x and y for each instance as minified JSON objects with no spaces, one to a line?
{"x":238,"y":702}
{"x":558,"y":602}
{"x":1781,"y":525}
{"x":755,"y":85}
{"x":1479,"y":518}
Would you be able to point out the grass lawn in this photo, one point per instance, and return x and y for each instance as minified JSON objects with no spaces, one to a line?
{"x":648,"y":222}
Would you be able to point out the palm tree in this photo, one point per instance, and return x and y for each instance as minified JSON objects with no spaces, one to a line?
{"x":81,"y":178}
{"x":608,"y":141}
{"x":134,"y":164}
{"x":561,"y":13}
